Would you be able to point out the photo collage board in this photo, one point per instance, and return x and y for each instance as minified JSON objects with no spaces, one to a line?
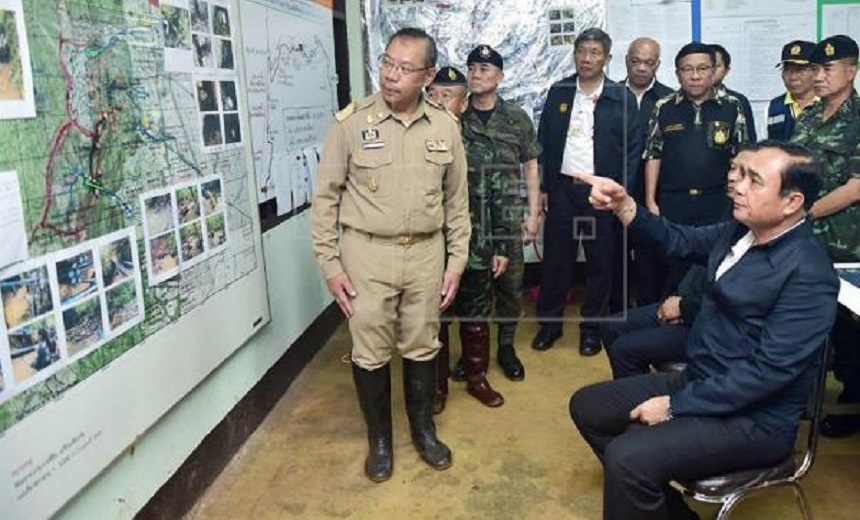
{"x":183,"y":225}
{"x":60,"y":307}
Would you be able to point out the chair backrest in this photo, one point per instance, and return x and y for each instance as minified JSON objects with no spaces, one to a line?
{"x":813,"y":411}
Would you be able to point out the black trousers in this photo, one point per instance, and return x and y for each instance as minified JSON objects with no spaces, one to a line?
{"x":570,"y":219}
{"x":635,"y":344}
{"x":639,"y":461}
{"x":846,"y":354}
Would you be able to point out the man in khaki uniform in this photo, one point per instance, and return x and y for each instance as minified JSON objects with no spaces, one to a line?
{"x":391,"y":179}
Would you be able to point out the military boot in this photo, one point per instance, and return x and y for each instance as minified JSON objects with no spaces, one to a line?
{"x":374,"y":396}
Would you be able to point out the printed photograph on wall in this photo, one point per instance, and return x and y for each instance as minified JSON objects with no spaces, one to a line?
{"x":163,"y":257}
{"x":16,"y":76}
{"x":26,"y":296}
{"x":216,"y":233}
{"x":177,"y":27}
{"x":118,"y":262}
{"x":159,"y":214}
{"x":33,"y":348}
{"x":187,"y":204}
{"x":122,"y":305}
{"x":212,"y":196}
{"x":76,"y":278}
{"x":191,"y":237}
{"x":83,"y":324}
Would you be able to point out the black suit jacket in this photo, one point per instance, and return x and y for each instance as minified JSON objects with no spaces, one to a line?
{"x":618,"y":138}
{"x":636,"y":185}
{"x":755,"y":346}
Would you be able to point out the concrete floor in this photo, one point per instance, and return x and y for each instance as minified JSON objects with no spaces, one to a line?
{"x":524,"y":460}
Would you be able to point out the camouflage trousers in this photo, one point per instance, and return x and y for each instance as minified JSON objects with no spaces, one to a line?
{"x":508,"y":293}
{"x":474,"y":301}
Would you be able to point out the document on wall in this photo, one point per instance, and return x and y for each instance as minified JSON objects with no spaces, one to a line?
{"x":754,"y":34}
{"x":841,"y":19}
{"x":668,"y":22}
{"x":13,"y":247}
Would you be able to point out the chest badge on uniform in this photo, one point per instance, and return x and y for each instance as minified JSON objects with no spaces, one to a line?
{"x":370,"y":139}
{"x":563,"y":108}
{"x":436,"y":145}
{"x":721,"y":136}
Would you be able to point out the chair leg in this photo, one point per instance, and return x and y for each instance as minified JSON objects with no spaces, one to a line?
{"x":802,"y":503}
{"x":729,"y":505}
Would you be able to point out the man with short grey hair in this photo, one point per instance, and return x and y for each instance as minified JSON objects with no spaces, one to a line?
{"x":589,"y":124}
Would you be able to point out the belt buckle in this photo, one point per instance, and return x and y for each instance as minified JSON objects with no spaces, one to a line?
{"x":694,"y":191}
{"x":404,"y":240}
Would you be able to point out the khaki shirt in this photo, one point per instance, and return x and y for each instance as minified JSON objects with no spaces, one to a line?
{"x":382,"y":177}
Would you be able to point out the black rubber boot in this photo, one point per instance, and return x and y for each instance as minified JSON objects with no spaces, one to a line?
{"x":419,"y":384}
{"x":374,"y":396}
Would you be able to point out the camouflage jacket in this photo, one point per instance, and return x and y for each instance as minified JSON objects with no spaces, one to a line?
{"x":494,"y":153}
{"x":836,"y":143}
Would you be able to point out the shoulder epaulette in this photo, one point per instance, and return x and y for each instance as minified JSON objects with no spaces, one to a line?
{"x":345,"y":113}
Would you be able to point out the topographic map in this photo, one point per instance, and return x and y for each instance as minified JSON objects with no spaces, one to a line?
{"x":112,"y":126}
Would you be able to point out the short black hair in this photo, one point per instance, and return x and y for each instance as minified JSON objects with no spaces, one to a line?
{"x":416,"y":33}
{"x":803,"y":174}
{"x":594,"y":34}
{"x":695,"y":48}
{"x":719,"y":49}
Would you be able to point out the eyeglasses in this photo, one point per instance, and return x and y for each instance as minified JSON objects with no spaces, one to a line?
{"x":689,"y":71}
{"x":386,"y":63}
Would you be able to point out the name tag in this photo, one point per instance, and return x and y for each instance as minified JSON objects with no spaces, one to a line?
{"x":372,"y":145}
{"x":775,"y":120}
{"x":678,"y":127}
{"x":436,"y":145}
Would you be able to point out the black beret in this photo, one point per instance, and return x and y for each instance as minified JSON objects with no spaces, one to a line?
{"x":834,"y":48}
{"x":485,"y":54}
{"x":797,"y":52}
{"x":449,"y":76}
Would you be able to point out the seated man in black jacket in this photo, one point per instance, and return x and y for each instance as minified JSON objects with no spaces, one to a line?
{"x":655,"y":333}
{"x":753,"y":351}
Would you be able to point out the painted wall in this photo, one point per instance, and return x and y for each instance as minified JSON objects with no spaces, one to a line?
{"x":297,"y":296}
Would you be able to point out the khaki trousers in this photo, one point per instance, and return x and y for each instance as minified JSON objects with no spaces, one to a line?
{"x":398,"y":284}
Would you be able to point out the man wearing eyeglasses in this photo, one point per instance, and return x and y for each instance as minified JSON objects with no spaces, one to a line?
{"x":831,"y":130}
{"x":390,"y":226}
{"x":589,"y":124}
{"x":798,"y":77}
{"x":693,"y":135}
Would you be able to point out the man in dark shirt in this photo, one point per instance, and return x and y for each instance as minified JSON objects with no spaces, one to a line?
{"x":692,"y":138}
{"x":643,"y":61}
{"x":753,"y":354}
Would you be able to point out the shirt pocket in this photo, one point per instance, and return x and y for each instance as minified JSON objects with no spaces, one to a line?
{"x":372,"y":171}
{"x":436,"y":164}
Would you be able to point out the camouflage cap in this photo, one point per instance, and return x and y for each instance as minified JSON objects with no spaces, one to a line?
{"x":834,"y":48}
{"x":485,"y":54}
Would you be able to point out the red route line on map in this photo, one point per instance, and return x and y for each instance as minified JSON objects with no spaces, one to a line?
{"x":58,"y":141}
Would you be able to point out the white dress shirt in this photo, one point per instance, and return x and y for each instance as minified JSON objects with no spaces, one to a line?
{"x":579,"y":146}
{"x":741,"y":247}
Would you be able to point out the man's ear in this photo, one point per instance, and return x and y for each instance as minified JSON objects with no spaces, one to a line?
{"x":794,"y":203}
{"x":429,"y":74}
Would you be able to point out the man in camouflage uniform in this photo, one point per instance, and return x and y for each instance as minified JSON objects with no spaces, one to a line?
{"x":507,"y":133}
{"x":449,"y":91}
{"x":495,"y":147}
{"x":831,"y":130}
